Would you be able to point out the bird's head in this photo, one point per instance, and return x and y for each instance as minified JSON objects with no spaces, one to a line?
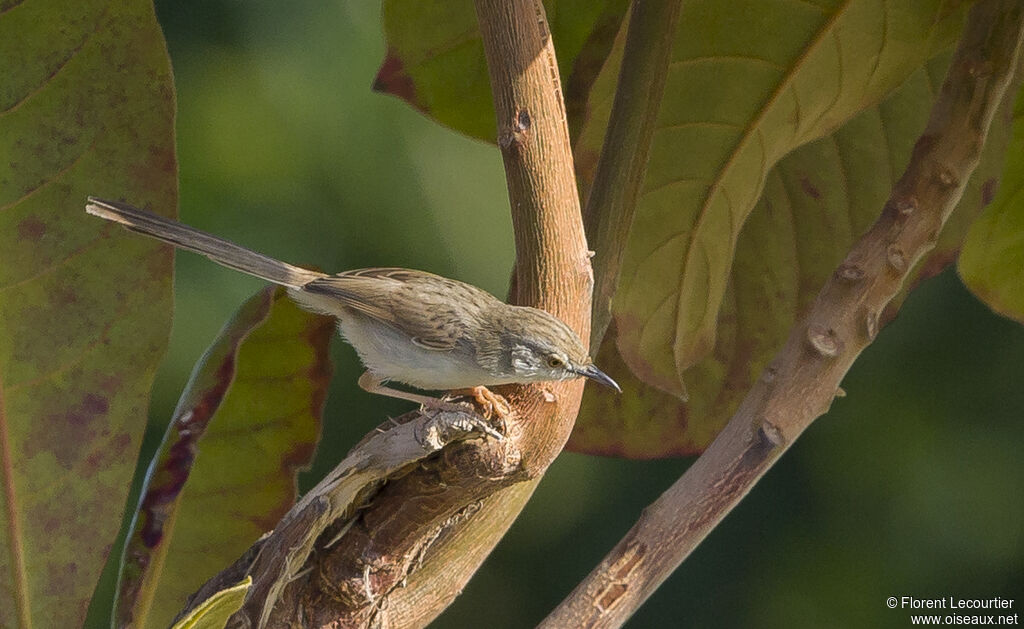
{"x":542,"y":348}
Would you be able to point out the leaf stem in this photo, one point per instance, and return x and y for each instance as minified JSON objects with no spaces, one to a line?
{"x":623,"y":163}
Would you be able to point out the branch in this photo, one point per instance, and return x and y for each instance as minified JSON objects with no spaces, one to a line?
{"x":552,"y":264}
{"x":328,"y":511}
{"x":801,"y":382}
{"x":392,"y":541}
{"x":627,"y":145}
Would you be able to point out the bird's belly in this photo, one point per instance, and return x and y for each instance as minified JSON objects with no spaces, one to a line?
{"x":390,"y":355}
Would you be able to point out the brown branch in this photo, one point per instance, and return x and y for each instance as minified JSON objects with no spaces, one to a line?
{"x":552,"y":264}
{"x":801,"y":382}
{"x":627,"y":144}
{"x":393,"y":541}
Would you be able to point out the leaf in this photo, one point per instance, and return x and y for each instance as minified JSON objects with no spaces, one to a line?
{"x":215,"y":611}
{"x":86,"y":107}
{"x":992,"y":261}
{"x":435,"y":59}
{"x":815,"y":203}
{"x":247,"y":422}
{"x":749,"y":82}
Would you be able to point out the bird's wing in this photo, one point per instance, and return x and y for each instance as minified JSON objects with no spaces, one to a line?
{"x":366,"y":294}
{"x":430,"y":309}
{"x":395,"y":273}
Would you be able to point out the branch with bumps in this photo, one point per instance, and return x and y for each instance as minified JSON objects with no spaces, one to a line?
{"x":801,"y":382}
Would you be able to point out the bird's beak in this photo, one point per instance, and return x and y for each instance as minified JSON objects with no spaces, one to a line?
{"x":597,"y":375}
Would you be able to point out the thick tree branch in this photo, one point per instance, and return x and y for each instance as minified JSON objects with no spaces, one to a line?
{"x":393,"y":541}
{"x":804,"y":378}
{"x":552,"y":264}
{"x":627,"y":144}
{"x":330,"y":510}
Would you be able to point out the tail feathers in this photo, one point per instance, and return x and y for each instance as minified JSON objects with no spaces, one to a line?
{"x":217,"y":249}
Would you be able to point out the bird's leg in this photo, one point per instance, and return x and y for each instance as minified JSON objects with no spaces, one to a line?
{"x":371,"y":384}
{"x":491,"y":403}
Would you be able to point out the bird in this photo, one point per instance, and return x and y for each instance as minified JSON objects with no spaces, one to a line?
{"x":423,"y":330}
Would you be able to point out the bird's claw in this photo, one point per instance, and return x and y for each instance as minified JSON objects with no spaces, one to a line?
{"x":493,"y":405}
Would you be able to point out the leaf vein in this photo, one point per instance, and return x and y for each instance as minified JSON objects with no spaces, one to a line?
{"x":674,"y":182}
{"x":55,"y":177}
{"x":79,"y":357}
{"x":57,"y":264}
{"x":19,"y":575}
{"x":883,"y":45}
{"x":60,"y":66}
{"x":845,"y":175}
{"x":827,"y":29}
{"x":679,"y":63}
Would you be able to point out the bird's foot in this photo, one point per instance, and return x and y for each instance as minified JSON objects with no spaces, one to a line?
{"x":493,"y":405}
{"x":468,"y":417}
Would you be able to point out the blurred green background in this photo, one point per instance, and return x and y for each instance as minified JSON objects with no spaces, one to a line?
{"x":911,"y":486}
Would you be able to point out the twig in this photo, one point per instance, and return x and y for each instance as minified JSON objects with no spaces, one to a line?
{"x":803,"y":379}
{"x":627,"y":143}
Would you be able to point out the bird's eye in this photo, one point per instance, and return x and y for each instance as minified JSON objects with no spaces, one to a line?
{"x":555,"y":362}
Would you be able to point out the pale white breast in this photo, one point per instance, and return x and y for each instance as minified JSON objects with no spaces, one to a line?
{"x":390,"y":355}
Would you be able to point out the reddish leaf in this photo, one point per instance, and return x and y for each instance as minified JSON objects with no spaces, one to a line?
{"x":247,"y":423}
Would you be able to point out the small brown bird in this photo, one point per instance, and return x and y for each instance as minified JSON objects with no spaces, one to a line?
{"x":407,"y":326}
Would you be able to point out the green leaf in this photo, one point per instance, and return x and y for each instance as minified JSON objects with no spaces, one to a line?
{"x":435,"y":59}
{"x":248,"y":421}
{"x":86,"y":107}
{"x":992,"y":261}
{"x":815,"y":203}
{"x":214,"y":612}
{"x":749,"y":82}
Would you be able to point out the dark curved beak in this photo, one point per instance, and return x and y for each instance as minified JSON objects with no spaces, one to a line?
{"x":597,"y":375}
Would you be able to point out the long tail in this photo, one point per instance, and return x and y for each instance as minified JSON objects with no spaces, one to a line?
{"x":217,"y":249}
